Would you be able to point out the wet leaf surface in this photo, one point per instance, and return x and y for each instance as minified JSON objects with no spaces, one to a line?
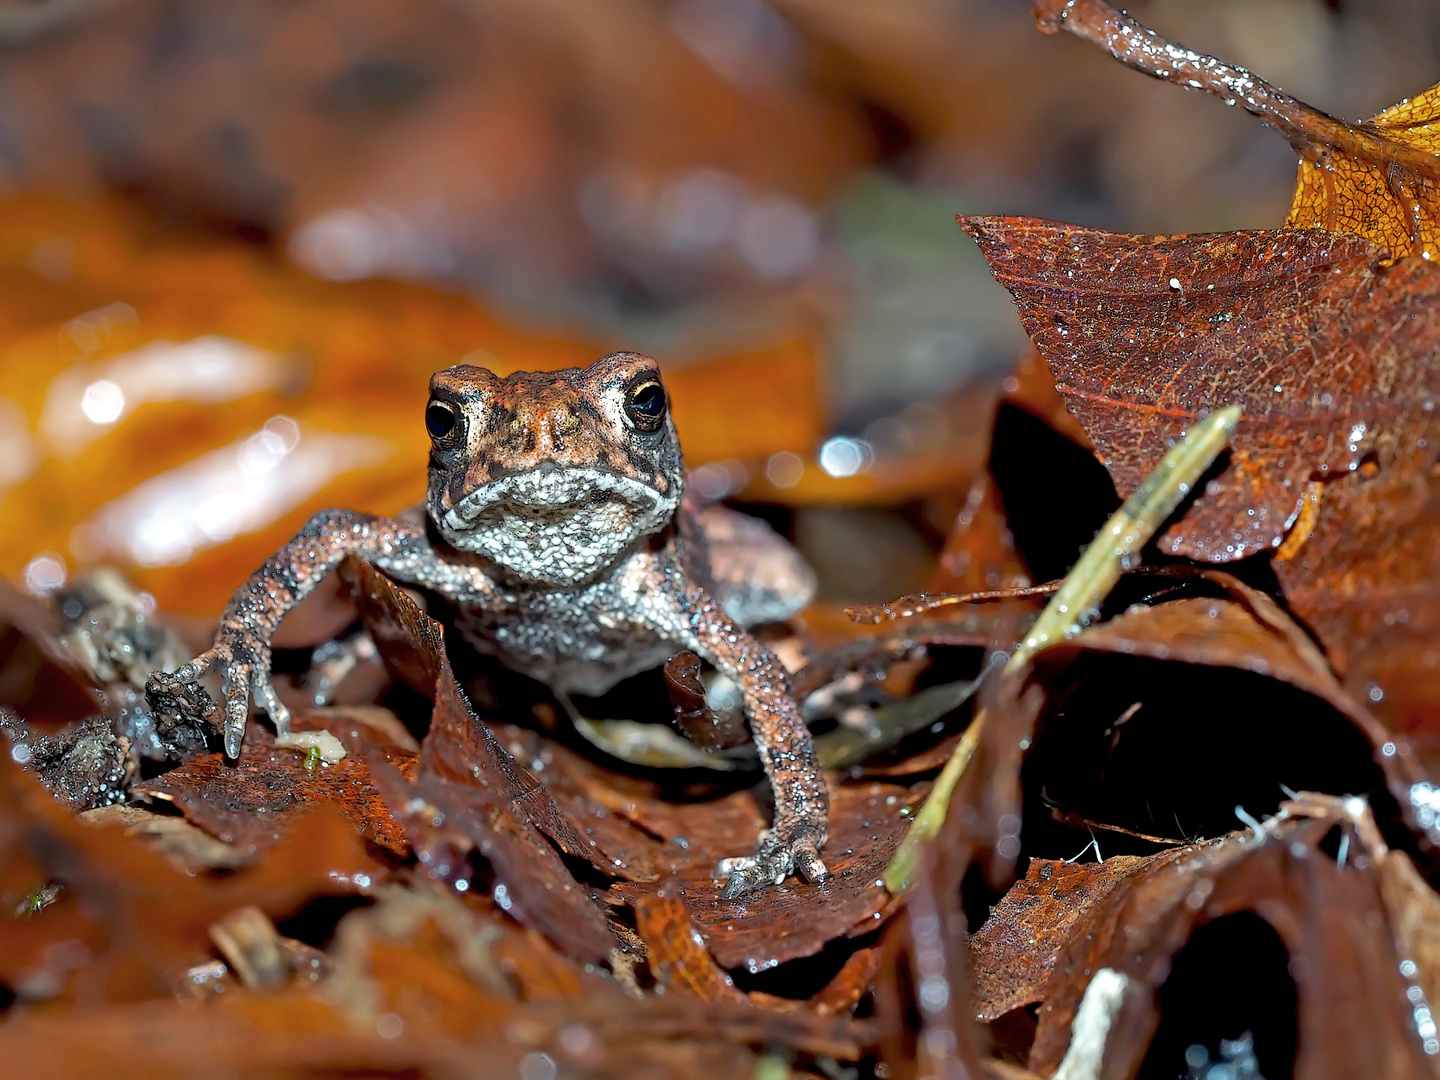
{"x":1330,"y":919}
{"x":408,"y":640}
{"x":1146,"y":334}
{"x":1014,"y":953}
{"x":796,"y":919}
{"x":1227,"y":633}
{"x":251,"y":803}
{"x":1366,"y":582}
{"x":1354,"y":188}
{"x":468,"y":793}
{"x":677,"y":953}
{"x":687,"y":696}
{"x":979,"y":553}
{"x":127,"y":923}
{"x":1376,"y":178}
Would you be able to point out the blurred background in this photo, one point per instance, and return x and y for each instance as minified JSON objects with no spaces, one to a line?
{"x":235,"y":239}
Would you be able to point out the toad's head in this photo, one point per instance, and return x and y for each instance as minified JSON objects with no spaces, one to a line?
{"x":553,"y":475}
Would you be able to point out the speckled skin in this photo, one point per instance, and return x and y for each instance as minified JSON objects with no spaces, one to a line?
{"x":557,"y":526}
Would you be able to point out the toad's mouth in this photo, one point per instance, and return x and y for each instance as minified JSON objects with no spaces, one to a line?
{"x":557,"y":528}
{"x":548,"y":494}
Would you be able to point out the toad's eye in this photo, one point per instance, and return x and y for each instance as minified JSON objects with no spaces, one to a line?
{"x":645,"y":405}
{"x":440,"y":420}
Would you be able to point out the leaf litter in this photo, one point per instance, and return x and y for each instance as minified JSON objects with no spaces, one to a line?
{"x":470,"y":881}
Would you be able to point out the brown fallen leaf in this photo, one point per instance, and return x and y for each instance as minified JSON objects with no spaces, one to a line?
{"x":678,"y":957}
{"x":1147,"y":334}
{"x":1368,"y":583}
{"x":252,"y":802}
{"x":424,"y":955}
{"x":626,"y":831}
{"x":468,"y":793}
{"x":979,"y":552}
{"x":127,"y":924}
{"x":1411,"y":905}
{"x":680,"y":842}
{"x":851,"y":983}
{"x":431,"y":1021}
{"x":925,"y":975}
{"x":711,"y":730}
{"x":37,"y":678}
{"x":1353,"y":1016}
{"x":409,"y":641}
{"x":1013,"y":954}
{"x":796,"y":918}
{"x":189,"y":847}
{"x":1031,"y":387}
{"x":1363,"y":185}
{"x":1219,"y":632}
{"x":252,"y":947}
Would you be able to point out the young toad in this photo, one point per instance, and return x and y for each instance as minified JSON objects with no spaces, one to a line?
{"x":555,"y":523}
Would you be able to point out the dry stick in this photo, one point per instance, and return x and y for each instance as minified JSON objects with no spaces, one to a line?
{"x":921,"y":603}
{"x":1312,"y":134}
{"x":1087,"y":584}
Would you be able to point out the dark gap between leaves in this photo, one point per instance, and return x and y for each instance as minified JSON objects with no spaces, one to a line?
{"x":315,"y":923}
{"x":977,"y":896}
{"x":1231,"y":977}
{"x":1013,"y":1034}
{"x":892,"y":136}
{"x":411,"y":707}
{"x":1056,"y":495}
{"x":1203,"y":741}
{"x":805,"y":976}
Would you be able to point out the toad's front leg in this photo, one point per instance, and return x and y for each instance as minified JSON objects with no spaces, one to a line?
{"x":241,"y":652}
{"x":802,"y":803}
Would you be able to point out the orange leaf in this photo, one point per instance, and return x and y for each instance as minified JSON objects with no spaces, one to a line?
{"x":1355,"y":186}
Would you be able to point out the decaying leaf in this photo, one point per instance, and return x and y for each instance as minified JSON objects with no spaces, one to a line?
{"x":1326,"y":351}
{"x":468,"y":793}
{"x":979,"y":553}
{"x":38,"y":679}
{"x":1368,"y":583}
{"x":127,"y":923}
{"x":1013,"y":954}
{"x":1330,"y":918}
{"x":252,"y":802}
{"x":1370,"y":185}
{"x":677,"y":952}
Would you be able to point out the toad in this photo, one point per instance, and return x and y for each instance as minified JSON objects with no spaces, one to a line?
{"x":556,"y":525}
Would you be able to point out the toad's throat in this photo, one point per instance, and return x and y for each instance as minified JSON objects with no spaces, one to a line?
{"x":557,"y":527}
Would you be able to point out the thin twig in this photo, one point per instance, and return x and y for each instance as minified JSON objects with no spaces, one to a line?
{"x":1313,"y":134}
{"x":1087,"y":584}
{"x":920,"y":603}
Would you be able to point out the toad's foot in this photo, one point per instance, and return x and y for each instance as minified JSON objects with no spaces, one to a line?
{"x":782,"y":851}
{"x":245,"y":670}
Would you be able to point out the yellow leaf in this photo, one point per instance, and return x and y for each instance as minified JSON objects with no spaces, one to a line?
{"x":1393,"y":201}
